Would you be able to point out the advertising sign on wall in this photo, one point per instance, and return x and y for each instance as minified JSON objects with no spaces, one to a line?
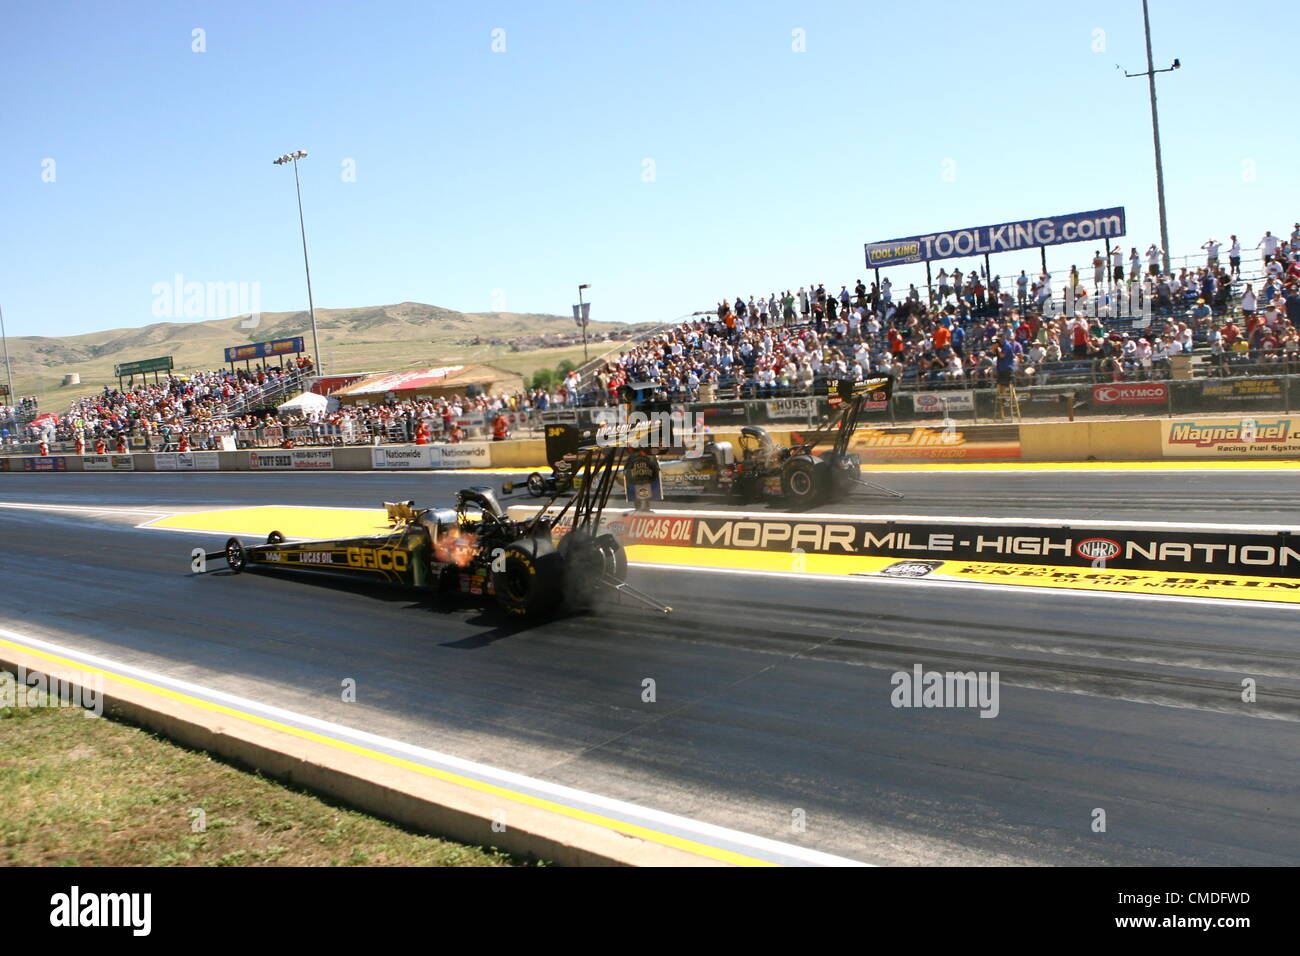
{"x":792,"y":408}
{"x":401,"y":456}
{"x":931,"y":402}
{"x":1131,"y":393}
{"x":910,"y":444}
{"x":1261,"y":437}
{"x":108,"y":463}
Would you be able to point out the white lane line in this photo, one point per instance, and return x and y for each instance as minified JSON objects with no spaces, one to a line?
{"x":628,"y":812}
{"x":82,"y":509}
{"x":1237,"y":604}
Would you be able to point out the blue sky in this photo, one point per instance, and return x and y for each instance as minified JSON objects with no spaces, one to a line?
{"x":503,"y":179}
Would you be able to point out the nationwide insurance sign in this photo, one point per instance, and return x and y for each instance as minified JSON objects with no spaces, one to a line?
{"x":1098,"y":224}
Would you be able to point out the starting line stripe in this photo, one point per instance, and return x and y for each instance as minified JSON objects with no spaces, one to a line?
{"x":526,"y":790}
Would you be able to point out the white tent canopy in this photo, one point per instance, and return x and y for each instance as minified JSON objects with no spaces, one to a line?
{"x":310,"y":402}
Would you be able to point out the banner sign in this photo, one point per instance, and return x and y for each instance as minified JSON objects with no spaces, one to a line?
{"x":1244,"y":390}
{"x":257,"y":350}
{"x":465,"y":455}
{"x":127,"y":369}
{"x":401,"y":456}
{"x":270,"y":460}
{"x":187,"y":461}
{"x":1131,"y":393}
{"x":883,"y":444}
{"x":792,"y":408}
{"x":108,"y":463}
{"x":1261,"y":555}
{"x":1231,"y":438}
{"x":932,"y":402}
{"x":1091,"y":226}
{"x":313,"y":459}
{"x":45,"y":464}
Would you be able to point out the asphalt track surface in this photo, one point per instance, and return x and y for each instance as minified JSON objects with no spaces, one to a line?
{"x":773,"y":696}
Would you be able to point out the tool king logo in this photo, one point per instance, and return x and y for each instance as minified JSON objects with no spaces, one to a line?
{"x":1097,"y":548}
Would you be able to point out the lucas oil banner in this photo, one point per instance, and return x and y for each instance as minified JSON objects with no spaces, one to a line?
{"x":1095,"y":226}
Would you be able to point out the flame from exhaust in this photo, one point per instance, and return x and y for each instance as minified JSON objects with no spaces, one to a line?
{"x":456,"y":547}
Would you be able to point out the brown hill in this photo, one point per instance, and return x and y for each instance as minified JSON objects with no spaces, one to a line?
{"x":407,"y":334}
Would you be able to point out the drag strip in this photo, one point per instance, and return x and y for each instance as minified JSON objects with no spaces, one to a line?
{"x":772,"y":710}
{"x":1222,"y":496}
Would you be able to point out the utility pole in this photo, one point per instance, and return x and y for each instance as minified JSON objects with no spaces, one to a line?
{"x":9,"y":372}
{"x":1150,"y":74}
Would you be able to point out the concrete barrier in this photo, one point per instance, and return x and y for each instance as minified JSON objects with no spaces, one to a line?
{"x":384,"y":787}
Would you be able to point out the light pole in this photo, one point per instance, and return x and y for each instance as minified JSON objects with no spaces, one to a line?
{"x":311,"y":308}
{"x":1150,"y":74}
{"x":582,"y":320}
{"x":9,"y":372}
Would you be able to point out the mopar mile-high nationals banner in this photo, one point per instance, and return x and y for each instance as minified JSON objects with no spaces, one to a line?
{"x":1263,"y":555}
{"x":1099,"y":224}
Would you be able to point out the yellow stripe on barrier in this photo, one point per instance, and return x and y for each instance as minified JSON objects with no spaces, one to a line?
{"x":610,"y":823}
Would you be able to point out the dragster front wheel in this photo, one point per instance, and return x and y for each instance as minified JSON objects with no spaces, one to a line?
{"x":235,"y":559}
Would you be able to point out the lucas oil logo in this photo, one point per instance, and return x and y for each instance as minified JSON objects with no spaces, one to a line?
{"x":1097,"y":548}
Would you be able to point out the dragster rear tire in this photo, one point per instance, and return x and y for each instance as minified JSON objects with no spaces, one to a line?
{"x":531,"y":579}
{"x":803,"y":481}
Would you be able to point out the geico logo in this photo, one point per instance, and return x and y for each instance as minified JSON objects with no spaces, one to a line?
{"x":377,"y":559}
{"x":767,"y":535}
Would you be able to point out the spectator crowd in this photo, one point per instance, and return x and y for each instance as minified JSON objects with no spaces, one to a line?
{"x":967,"y":328}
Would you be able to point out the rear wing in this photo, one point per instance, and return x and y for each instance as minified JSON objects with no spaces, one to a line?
{"x":874,"y":389}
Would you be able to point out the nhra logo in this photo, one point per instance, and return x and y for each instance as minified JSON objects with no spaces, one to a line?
{"x":1095,"y":549}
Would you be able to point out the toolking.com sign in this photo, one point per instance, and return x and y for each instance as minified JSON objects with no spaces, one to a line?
{"x":1268,"y":555}
{"x":1231,"y":438}
{"x":1004,"y":237}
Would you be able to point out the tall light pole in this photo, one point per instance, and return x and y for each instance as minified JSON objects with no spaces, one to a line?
{"x":1150,"y":74}
{"x":582,"y":320}
{"x":8,"y":369}
{"x":311,"y":308}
